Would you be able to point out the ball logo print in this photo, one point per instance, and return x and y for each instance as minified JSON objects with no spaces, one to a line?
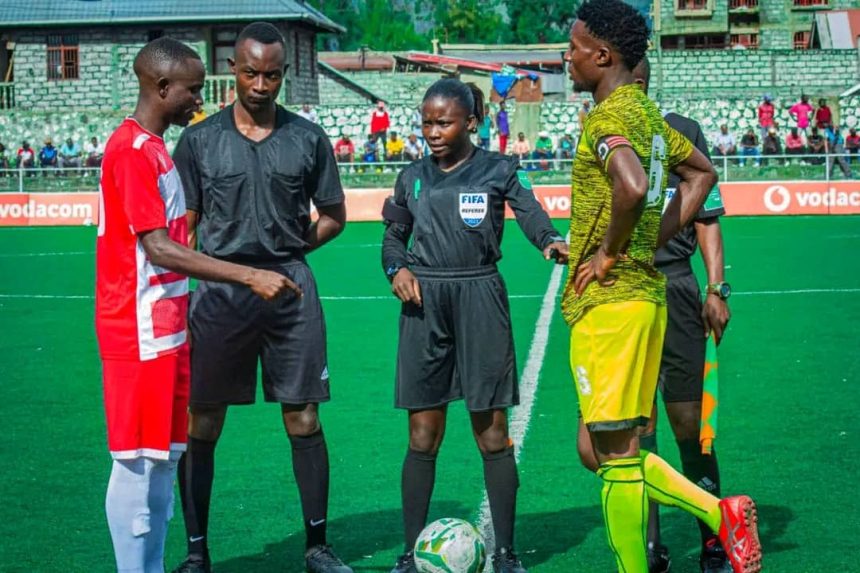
{"x":779,"y":203}
{"x":450,"y":545}
{"x":473,"y":208}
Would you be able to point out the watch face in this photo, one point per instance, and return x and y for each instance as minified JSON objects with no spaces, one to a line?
{"x":725,"y":290}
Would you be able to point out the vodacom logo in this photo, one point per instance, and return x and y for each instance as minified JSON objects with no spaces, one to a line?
{"x":777,"y":198}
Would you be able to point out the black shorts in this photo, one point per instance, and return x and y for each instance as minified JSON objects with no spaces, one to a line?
{"x":458,"y":344}
{"x":232,"y":328}
{"x":683,"y":364}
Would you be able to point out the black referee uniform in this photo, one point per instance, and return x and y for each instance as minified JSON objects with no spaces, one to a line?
{"x":254,"y":200}
{"x":459,"y":344}
{"x":683,"y":362}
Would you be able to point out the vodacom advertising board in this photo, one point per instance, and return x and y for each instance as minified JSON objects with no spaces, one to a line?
{"x":739,"y":198}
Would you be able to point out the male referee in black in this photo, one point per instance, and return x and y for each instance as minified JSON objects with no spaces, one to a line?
{"x":250,"y":173}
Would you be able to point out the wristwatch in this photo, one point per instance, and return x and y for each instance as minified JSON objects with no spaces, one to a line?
{"x":392,"y":270}
{"x":721,"y":289}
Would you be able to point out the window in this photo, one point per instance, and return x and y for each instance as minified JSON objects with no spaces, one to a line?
{"x":810,"y":3}
{"x":694,"y":42}
{"x":745,"y":41}
{"x":63,"y":57}
{"x":743,"y":4}
{"x":222,"y":48}
{"x":801,"y":40}
{"x":690,"y":5}
{"x":297,"y":52}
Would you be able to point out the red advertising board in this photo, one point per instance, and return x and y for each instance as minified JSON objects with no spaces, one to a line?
{"x":739,"y":198}
{"x":48,"y":209}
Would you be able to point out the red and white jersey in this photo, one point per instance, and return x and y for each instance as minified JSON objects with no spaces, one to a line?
{"x":140,"y":307}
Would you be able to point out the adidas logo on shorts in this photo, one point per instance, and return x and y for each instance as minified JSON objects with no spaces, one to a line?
{"x":324,"y":375}
{"x":582,"y":381}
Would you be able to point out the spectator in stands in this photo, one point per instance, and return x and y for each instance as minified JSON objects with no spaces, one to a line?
{"x":371,"y":148}
{"x":344,"y":149}
{"x":413,"y":149}
{"x":794,"y":144}
{"x":749,"y":147}
{"x":852,"y":144}
{"x":521,"y":147}
{"x":308,"y":113}
{"x":94,"y":151}
{"x":380,"y":122}
{"x":484,"y":130}
{"x":800,"y":113}
{"x":565,"y":147}
{"x":726,"y":145}
{"x":586,"y":109}
{"x":823,"y":115}
{"x":70,"y":154}
{"x":394,"y":148}
{"x":48,"y":156}
{"x":4,"y":161}
{"x":543,"y":150}
{"x":766,"y":114}
{"x":771,"y":145}
{"x":817,"y":145}
{"x":503,"y":128}
{"x":836,"y":151}
{"x":27,"y":157}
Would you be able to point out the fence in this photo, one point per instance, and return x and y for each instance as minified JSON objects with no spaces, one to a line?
{"x":822,"y":167}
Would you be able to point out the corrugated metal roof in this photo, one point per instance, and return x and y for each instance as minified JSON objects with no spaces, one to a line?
{"x":837,"y":29}
{"x":20,"y":13}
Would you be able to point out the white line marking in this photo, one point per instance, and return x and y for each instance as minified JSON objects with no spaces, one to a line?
{"x":391,"y":297}
{"x":521,"y":415}
{"x":64,"y":254}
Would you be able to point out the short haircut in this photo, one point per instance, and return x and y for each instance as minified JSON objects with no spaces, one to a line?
{"x":643,"y":70}
{"x":618,"y":24}
{"x":469,"y":96}
{"x":261,"y":32}
{"x":162,"y":52}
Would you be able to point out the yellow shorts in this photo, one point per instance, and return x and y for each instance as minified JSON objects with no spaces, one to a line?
{"x":615,"y":352}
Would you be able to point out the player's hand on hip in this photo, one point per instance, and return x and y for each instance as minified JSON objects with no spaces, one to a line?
{"x":715,"y":316}
{"x":596,"y":269}
{"x":269,"y":284}
{"x":558,"y":250}
{"x":405,"y":287}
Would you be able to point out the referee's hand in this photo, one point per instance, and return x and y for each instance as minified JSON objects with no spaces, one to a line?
{"x":269,"y":285}
{"x":405,"y":287}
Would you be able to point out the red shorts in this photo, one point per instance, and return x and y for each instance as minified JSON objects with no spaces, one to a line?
{"x":146,"y":403}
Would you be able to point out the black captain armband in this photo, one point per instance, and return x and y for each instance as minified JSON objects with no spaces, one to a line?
{"x":394,"y":213}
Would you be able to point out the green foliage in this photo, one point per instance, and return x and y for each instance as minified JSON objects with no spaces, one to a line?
{"x":470,"y":22}
{"x":540,"y":21}
{"x":377,"y":24}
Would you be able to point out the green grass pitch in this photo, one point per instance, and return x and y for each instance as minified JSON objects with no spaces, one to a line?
{"x":789,"y":367}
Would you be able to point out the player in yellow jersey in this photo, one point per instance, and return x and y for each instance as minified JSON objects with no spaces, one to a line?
{"x":615,"y":300}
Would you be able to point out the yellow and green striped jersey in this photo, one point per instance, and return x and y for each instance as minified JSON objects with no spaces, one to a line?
{"x":626,"y":118}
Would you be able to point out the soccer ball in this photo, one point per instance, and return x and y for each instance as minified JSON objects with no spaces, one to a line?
{"x":450,"y":545}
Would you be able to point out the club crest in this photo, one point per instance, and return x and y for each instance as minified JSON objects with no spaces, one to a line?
{"x":473,"y":208}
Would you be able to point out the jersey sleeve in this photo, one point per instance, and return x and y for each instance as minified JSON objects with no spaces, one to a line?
{"x":189,"y":173}
{"x":530,"y":215}
{"x":324,"y":182}
{"x":605,"y":133}
{"x":396,"y":237}
{"x":678,"y":147}
{"x":136,"y":179}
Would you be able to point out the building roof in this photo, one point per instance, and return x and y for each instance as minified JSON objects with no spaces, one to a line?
{"x":836,"y":29}
{"x":44,"y":13}
{"x":347,"y":82}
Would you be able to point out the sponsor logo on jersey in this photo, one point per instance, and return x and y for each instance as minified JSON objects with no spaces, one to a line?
{"x":670,"y":192}
{"x":473,"y":208}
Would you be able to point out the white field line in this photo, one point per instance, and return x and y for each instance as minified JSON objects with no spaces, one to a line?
{"x":521,"y":414}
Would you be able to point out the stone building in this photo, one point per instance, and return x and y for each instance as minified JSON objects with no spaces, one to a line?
{"x":77,"y":55}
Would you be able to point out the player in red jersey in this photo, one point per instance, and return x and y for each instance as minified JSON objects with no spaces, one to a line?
{"x":142,"y":261}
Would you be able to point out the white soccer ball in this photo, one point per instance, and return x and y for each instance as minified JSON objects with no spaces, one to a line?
{"x":450,"y":545}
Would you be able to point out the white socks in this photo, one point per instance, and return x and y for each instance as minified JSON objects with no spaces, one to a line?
{"x":139,"y":503}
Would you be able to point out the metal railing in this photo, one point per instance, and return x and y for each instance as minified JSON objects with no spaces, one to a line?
{"x":219,"y":90}
{"x":7,"y":95}
{"x":783,"y":167}
{"x":743,"y":4}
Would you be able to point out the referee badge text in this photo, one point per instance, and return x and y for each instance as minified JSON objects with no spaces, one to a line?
{"x":473,"y":208}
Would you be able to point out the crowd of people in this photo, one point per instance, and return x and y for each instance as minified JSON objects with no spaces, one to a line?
{"x":813,"y":135}
{"x":49,"y":157}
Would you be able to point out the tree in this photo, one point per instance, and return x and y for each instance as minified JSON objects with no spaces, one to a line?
{"x":541,"y":21}
{"x":373,"y":23}
{"x":470,"y":21}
